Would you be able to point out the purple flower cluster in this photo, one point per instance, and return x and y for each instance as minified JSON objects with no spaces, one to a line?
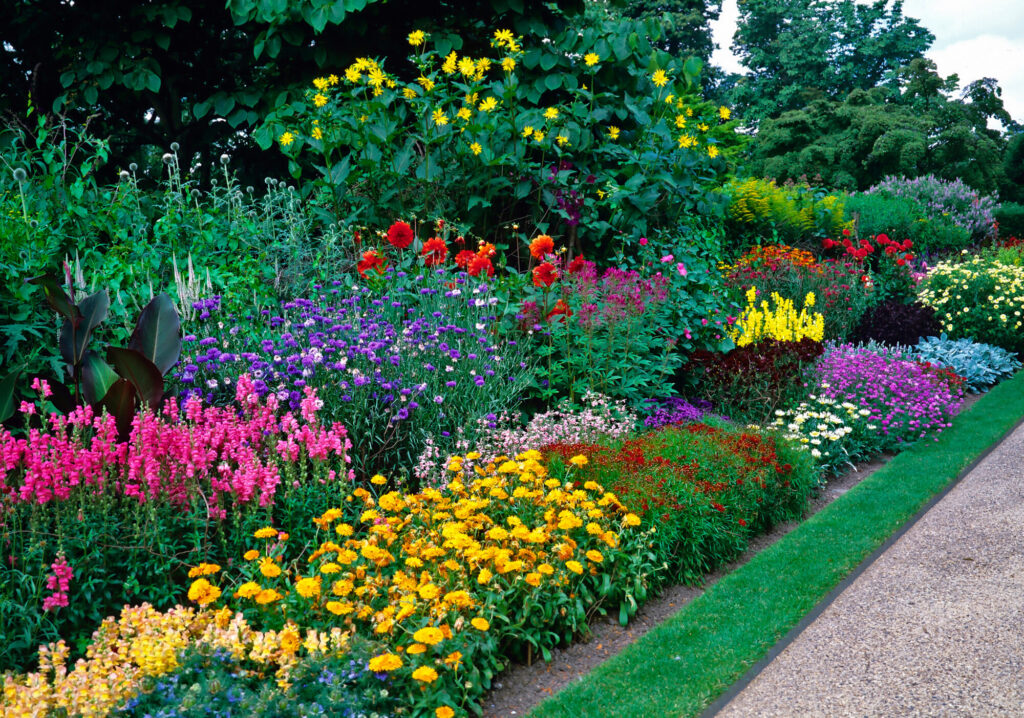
{"x":675,"y":410}
{"x":944,"y":198}
{"x":907,"y":400}
{"x":426,"y":354}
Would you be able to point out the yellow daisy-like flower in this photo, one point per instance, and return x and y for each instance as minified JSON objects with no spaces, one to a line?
{"x":480,"y":624}
{"x":352,"y":74}
{"x":659,"y":78}
{"x":416,"y":649}
{"x":562,"y":140}
{"x":378,"y":480}
{"x":425,"y":82}
{"x":424,"y":674}
{"x":613,"y":132}
{"x":317,"y":133}
{"x":203,"y":592}
{"x":285,"y":139}
{"x":440,"y":118}
{"x":574,"y":566}
{"x":712,"y":151}
{"x":308,"y":587}
{"x":632,"y":520}
{"x":429,"y":635}
{"x":269,"y":569}
{"x":321,"y":83}
{"x":551,"y":113}
{"x":488,"y":104}
{"x":408,"y":93}
{"x":464,"y":114}
{"x":385,"y":663}
{"x":339,"y":608}
{"x":450,"y":64}
{"x":508,"y":64}
{"x":417,"y":38}
{"x":251,"y":555}
{"x":503,"y":37}
{"x":527,"y":131}
{"x":591,"y":59}
{"x":475,"y":148}
{"x":595,"y":556}
{"x":538,"y":136}
{"x":533,"y":579}
{"x":269,"y":531}
{"x":579,"y":460}
{"x":467,"y":67}
{"x":267,"y":595}
{"x":319,"y":99}
{"x":203,"y":569}
{"x":702,"y":127}
{"x":444,"y":712}
{"x":724,"y":112}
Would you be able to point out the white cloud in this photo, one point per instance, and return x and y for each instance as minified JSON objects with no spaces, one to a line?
{"x":981,"y":39}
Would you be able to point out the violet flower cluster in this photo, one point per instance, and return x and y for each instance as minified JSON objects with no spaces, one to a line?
{"x":417,"y":360}
{"x":944,"y":198}
{"x":907,"y":401}
{"x":675,"y":410}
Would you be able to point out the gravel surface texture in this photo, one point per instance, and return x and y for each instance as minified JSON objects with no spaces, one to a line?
{"x":934,"y":627}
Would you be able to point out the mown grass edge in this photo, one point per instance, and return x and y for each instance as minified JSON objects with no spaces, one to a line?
{"x":683,"y":665}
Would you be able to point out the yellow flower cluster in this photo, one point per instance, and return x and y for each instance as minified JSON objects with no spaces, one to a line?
{"x":978,"y":297}
{"x":145,"y":642}
{"x":778,"y":320}
{"x":795,"y":211}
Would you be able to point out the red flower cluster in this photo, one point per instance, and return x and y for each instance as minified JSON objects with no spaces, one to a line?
{"x":861,"y":250}
{"x":434,"y":251}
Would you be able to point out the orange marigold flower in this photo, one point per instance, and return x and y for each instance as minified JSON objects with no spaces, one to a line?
{"x":542,"y":246}
{"x":425,"y":674}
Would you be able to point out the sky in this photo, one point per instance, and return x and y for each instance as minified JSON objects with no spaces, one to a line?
{"x":983,"y":38}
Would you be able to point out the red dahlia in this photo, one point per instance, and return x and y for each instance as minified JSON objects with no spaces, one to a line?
{"x":400,"y":235}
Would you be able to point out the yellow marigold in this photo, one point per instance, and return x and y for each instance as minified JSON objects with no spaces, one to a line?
{"x":266,"y":532}
{"x":546,"y":568}
{"x":424,"y":674}
{"x":579,"y":460}
{"x":308,"y":587}
{"x":248,"y":589}
{"x":203,"y":569}
{"x":480,"y":624}
{"x":429,"y":635}
{"x":385,"y":663}
{"x":416,"y":649}
{"x":268,"y":568}
{"x":533,"y":579}
{"x":444,"y":712}
{"x":267,"y":595}
{"x":595,"y":556}
{"x":203,"y":592}
{"x":339,"y":608}
{"x":251,"y":555}
{"x":632,"y":520}
{"x":428,"y":592}
{"x":459,"y":599}
{"x":484,"y":576}
{"x":574,"y":566}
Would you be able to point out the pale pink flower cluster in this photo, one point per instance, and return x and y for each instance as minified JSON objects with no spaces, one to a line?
{"x":58,"y":584}
{"x":598,"y":419}
{"x":175,"y":454}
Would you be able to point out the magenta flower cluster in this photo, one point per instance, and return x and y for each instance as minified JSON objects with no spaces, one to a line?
{"x":226,"y":454}
{"x":908,"y":401}
{"x":58,"y":584}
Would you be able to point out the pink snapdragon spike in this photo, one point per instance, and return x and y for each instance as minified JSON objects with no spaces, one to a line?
{"x":229,"y":455}
{"x":58,"y":583}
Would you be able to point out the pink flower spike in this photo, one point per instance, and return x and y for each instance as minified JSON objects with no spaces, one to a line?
{"x":681,"y":268}
{"x":667,"y":258}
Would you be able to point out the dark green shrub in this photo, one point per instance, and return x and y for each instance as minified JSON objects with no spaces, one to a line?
{"x":905,"y":218}
{"x":1010,"y":217}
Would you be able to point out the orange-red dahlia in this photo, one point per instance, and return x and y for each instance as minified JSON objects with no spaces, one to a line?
{"x":463,"y":258}
{"x":434,"y":251}
{"x":400,"y":235}
{"x":481,"y":264}
{"x":371,"y":260}
{"x":544,"y":275}
{"x":542,"y":246}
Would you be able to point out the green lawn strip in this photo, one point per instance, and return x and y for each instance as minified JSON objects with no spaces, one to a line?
{"x":681,"y":666}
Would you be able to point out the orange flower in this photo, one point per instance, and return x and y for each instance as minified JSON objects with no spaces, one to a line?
{"x":560,"y":309}
{"x":542,"y":246}
{"x":463,"y":258}
{"x":370,"y":260}
{"x":481,"y":264}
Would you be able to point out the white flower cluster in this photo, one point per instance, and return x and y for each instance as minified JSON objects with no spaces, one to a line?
{"x":830,"y":429}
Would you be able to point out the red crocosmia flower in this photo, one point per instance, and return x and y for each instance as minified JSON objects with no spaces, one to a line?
{"x":435,"y":251}
{"x":480,"y":264}
{"x":576,"y":265}
{"x":882,"y":239}
{"x":542,"y":246}
{"x":463,"y":258}
{"x":544,"y":275}
{"x":400,"y":235}
{"x":560,"y":309}
{"x":370,"y":260}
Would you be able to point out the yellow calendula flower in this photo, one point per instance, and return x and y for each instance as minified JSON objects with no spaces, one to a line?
{"x":475,"y":148}
{"x":385,"y":663}
{"x":248,"y":589}
{"x":613,"y":132}
{"x":631,"y":520}
{"x":551,"y":113}
{"x":579,"y":460}
{"x":439,"y":117}
{"x":285,"y":139}
{"x":251,"y":555}
{"x":659,"y":78}
{"x":203,"y":569}
{"x":591,"y":59}
{"x":574,"y":566}
{"x":269,"y":569}
{"x":308,"y":587}
{"x":533,"y":579}
{"x":480,"y":624}
{"x":430,"y":635}
{"x":267,"y":531}
{"x":444,"y":712}
{"x":203,"y":592}
{"x":595,"y":556}
{"x":417,"y":38}
{"x":424,"y":674}
{"x":488,"y":104}
{"x":378,"y":480}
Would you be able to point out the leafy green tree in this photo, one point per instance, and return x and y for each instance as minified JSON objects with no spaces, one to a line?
{"x":798,"y":51}
{"x":920,"y":129}
{"x":685,"y":24}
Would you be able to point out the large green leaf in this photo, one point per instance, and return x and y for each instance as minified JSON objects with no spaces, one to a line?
{"x":74,"y":335}
{"x":156,"y":336}
{"x":120,"y":402}
{"x":56,"y":296}
{"x":97,"y":377}
{"x":143,"y":374}
{"x":7,"y":395}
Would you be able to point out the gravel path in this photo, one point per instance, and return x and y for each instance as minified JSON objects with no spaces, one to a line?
{"x":934,"y":627}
